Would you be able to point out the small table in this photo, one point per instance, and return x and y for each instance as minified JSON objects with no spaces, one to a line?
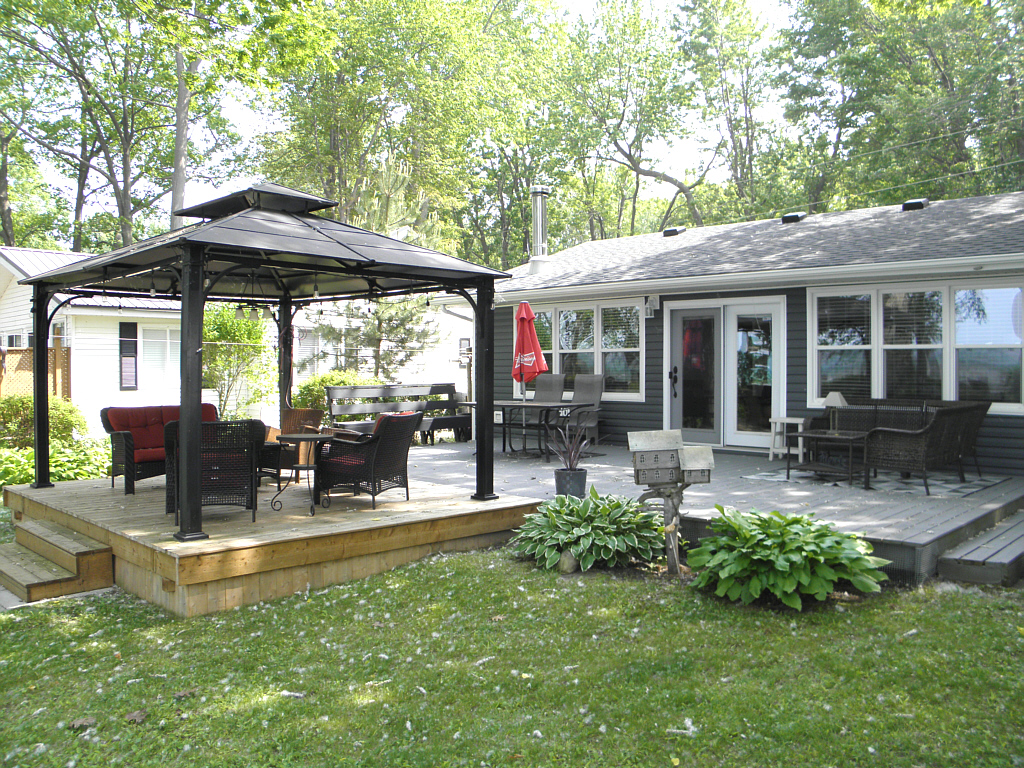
{"x":814,"y":439}
{"x":546,"y":409}
{"x":779,"y":426}
{"x":314,"y":438}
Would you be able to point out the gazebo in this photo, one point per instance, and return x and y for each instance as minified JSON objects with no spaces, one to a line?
{"x":264,"y":248}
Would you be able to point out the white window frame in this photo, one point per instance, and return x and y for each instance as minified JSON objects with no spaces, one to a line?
{"x":598,"y":349}
{"x":877,"y":347}
{"x":172,"y":362}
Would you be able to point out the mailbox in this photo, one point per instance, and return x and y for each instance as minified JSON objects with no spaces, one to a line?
{"x":661,"y":458}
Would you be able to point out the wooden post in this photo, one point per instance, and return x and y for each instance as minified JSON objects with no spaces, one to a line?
{"x":484,"y":354}
{"x":190,"y":415}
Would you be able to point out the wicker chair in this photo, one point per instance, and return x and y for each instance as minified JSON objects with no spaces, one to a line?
{"x":370,"y":463}
{"x":277,"y":459}
{"x":230,"y":453}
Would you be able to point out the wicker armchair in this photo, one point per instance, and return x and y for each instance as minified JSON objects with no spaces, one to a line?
{"x":277,"y":459}
{"x":370,"y":463}
{"x":230,"y":452}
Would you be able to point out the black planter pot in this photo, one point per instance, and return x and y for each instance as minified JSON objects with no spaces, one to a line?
{"x":571,"y":482}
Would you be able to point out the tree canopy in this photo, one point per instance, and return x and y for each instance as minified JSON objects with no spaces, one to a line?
{"x":432,"y":119}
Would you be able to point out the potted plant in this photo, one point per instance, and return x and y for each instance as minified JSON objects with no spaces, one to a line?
{"x":570,"y":480}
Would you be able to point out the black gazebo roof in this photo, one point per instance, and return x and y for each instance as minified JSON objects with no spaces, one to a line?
{"x":263,"y":244}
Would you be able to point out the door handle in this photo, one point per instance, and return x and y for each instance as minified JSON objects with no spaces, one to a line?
{"x":673,"y":376}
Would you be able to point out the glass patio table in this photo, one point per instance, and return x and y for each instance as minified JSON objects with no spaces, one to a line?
{"x":315,"y":439}
{"x":550,"y":414}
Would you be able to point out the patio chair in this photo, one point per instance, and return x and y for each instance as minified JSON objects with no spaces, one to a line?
{"x":277,"y":459}
{"x":588,"y":388}
{"x":230,"y":454}
{"x":370,"y":463}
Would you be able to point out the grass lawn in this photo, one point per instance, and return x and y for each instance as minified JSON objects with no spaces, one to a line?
{"x":481,"y":660}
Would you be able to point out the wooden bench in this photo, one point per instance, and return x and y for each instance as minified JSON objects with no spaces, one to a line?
{"x":439,"y":403}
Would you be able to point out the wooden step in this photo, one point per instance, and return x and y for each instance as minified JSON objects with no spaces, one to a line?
{"x":30,"y":576}
{"x":48,"y":560}
{"x":995,"y":556}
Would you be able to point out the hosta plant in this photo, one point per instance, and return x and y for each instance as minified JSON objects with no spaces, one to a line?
{"x":597,"y":530}
{"x":83,"y":460}
{"x":752,"y":555}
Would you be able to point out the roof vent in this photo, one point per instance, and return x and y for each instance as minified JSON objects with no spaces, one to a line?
{"x":916,"y":205}
{"x":672,"y":231}
{"x":793,"y":217}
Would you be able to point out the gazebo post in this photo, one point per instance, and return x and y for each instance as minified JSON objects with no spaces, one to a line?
{"x":484,"y":355}
{"x":40,"y":384}
{"x":285,"y":343}
{"x":190,"y":416}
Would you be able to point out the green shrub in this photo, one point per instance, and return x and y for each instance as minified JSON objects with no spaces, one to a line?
{"x":17,"y":430}
{"x":310,"y":393}
{"x":784,"y":555}
{"x":80,"y":461}
{"x":597,"y":530}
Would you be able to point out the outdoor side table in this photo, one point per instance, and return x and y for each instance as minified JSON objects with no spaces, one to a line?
{"x":816,"y":439}
{"x":779,"y":446}
{"x":316,"y":439}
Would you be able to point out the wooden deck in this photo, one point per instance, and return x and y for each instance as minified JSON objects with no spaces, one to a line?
{"x":911,"y":530}
{"x":281,"y":553}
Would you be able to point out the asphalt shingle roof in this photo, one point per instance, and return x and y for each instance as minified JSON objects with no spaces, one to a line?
{"x":978,"y":226}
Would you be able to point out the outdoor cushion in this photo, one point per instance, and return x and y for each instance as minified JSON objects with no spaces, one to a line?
{"x":146,"y":423}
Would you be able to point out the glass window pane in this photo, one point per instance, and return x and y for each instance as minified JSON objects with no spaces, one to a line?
{"x":912,"y":317}
{"x":991,"y":316}
{"x":576,"y":329}
{"x":574,"y":363}
{"x":620,"y":327}
{"x":621,"y":372}
{"x":989,"y":374}
{"x":913,"y":373}
{"x":844,"y":320}
{"x":844,"y":370}
{"x":542,"y":322}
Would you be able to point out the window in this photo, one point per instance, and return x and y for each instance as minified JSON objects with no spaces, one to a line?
{"x":936,"y":342}
{"x":128,"y":348}
{"x":161,"y":356}
{"x":603,"y":338}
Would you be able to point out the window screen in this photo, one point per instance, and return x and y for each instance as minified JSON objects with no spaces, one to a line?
{"x":128,"y":344}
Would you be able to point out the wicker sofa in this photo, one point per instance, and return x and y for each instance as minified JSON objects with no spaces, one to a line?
{"x":912,"y":437}
{"x":137,"y":439}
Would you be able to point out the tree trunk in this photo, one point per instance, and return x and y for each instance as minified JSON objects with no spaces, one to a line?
{"x":181,"y":108}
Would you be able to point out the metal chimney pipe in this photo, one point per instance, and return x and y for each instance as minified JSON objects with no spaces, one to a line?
{"x":539,"y":198}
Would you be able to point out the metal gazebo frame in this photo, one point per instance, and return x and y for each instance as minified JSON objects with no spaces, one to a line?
{"x":262,"y":247}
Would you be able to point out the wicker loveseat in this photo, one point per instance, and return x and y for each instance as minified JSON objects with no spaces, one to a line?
{"x":913,"y":437}
{"x":137,"y":439}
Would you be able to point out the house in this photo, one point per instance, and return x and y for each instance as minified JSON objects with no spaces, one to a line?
{"x":715,"y":330}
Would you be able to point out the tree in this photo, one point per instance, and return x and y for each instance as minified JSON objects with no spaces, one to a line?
{"x":237,"y":361}
{"x":378,"y":337}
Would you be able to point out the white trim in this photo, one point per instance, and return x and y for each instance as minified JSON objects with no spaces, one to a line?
{"x":776,"y":303}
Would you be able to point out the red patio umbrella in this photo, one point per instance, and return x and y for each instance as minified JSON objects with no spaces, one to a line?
{"x":528,"y":360}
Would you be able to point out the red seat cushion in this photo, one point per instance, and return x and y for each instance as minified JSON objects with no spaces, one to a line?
{"x":146,"y":423}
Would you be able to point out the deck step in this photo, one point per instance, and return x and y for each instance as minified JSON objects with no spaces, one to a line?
{"x":48,"y":560}
{"x":995,"y":556}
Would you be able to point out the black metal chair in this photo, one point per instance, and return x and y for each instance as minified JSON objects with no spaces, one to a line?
{"x":369,"y":463}
{"x":230,"y":454}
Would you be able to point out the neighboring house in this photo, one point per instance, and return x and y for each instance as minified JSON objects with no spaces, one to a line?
{"x":714,"y":330}
{"x":123,"y":351}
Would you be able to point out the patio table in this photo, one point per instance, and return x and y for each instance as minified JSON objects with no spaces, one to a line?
{"x":549,"y":413}
{"x":814,"y":440}
{"x":315,"y":438}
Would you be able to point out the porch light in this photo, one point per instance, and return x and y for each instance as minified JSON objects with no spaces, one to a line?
{"x":254,"y":315}
{"x":239,"y":313}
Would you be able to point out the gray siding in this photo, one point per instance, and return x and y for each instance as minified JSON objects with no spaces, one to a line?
{"x":1000,"y":444}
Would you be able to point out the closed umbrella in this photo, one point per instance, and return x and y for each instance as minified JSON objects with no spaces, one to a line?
{"x":528,"y":359}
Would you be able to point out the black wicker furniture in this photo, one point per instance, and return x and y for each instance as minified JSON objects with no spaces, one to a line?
{"x":368,"y":463}
{"x":137,"y":439}
{"x":229,"y":457}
